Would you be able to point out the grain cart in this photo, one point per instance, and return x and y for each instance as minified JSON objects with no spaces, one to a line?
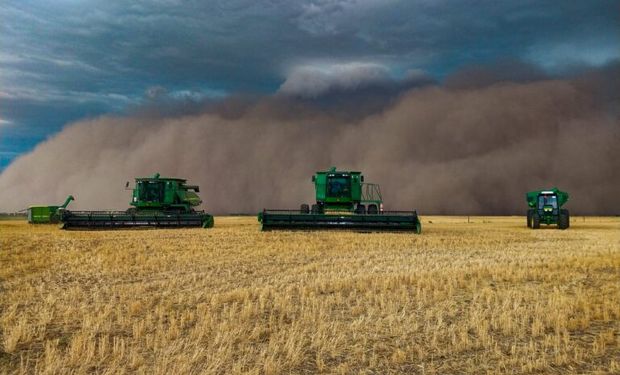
{"x":545,"y":207}
{"x":343,"y":201}
{"x":157,"y":202}
{"x":46,"y":214}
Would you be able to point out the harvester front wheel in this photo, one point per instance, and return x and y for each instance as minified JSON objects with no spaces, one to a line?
{"x":564,"y":219}
{"x":530,"y":213}
{"x":535,"y":221}
{"x":373,"y":209}
{"x":305,"y":209}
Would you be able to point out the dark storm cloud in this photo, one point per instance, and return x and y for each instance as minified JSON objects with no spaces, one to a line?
{"x":64,"y":60}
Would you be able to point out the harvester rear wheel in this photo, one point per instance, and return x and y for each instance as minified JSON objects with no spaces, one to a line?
{"x":530,"y":213}
{"x":535,"y":221}
{"x":373,"y":209}
{"x":360,"y":209}
{"x":304,"y":209}
{"x":564,"y":219}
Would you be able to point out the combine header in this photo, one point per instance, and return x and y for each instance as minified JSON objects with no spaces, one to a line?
{"x":343,"y":201}
{"x":157,"y":202}
{"x":545,"y":208}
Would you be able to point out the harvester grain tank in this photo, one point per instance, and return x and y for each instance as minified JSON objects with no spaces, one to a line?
{"x":343,"y":201}
{"x":545,"y":208}
{"x":157,"y":202}
{"x":46,"y":214}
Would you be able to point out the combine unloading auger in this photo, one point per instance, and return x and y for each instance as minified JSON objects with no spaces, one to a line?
{"x":157,"y":202}
{"x":343,"y":201}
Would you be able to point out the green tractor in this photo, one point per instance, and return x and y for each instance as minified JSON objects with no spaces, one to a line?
{"x":545,"y":207}
{"x":157,"y":202}
{"x":46,"y":214}
{"x":343,"y":201}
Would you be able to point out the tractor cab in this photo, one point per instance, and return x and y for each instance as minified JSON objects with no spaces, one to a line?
{"x":548,"y":202}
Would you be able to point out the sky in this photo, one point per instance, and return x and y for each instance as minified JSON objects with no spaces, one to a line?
{"x":66,"y":60}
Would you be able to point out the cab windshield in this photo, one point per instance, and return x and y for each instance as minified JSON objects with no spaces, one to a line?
{"x":547,"y":200}
{"x":150,"y":191}
{"x":339,"y":186}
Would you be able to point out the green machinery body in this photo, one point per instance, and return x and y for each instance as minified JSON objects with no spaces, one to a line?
{"x":46,"y":214}
{"x":343,"y":201}
{"x":157,"y":202}
{"x":545,"y":208}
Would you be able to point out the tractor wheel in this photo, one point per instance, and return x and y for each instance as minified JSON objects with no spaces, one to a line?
{"x":564,"y":219}
{"x":535,"y":221}
{"x":530,"y":213}
{"x":373,"y":209}
{"x":360,"y":209}
{"x":304,"y":209}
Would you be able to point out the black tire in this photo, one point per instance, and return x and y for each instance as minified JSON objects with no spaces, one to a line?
{"x":316,"y":209}
{"x":373,"y":209}
{"x":304,"y":209}
{"x":564,"y":219}
{"x":535,"y":221}
{"x":530,"y":213}
{"x":360,"y":209}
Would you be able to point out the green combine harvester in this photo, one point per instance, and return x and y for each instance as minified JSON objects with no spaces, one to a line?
{"x":343,"y":201}
{"x":46,"y":214}
{"x":545,"y":208}
{"x":157,"y":202}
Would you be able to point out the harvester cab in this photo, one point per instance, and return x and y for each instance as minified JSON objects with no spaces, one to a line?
{"x":171,"y":194}
{"x":157,"y":202}
{"x":345,"y":191}
{"x":545,"y":207}
{"x":343,"y":201}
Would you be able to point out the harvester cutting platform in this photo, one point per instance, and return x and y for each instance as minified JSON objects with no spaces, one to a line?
{"x":343,"y":201}
{"x":545,"y":208}
{"x":157,"y":202}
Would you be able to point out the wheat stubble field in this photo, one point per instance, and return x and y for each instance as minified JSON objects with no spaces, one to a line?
{"x":489,"y":296}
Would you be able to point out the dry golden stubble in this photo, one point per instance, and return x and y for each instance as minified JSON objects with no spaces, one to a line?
{"x":488,"y":296}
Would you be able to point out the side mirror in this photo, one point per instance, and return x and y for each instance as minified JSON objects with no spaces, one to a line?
{"x":313,"y":178}
{"x":127,"y":185}
{"x":362,"y":178}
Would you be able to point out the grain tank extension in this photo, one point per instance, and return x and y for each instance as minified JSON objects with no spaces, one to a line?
{"x":157,"y":202}
{"x":343,"y":201}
